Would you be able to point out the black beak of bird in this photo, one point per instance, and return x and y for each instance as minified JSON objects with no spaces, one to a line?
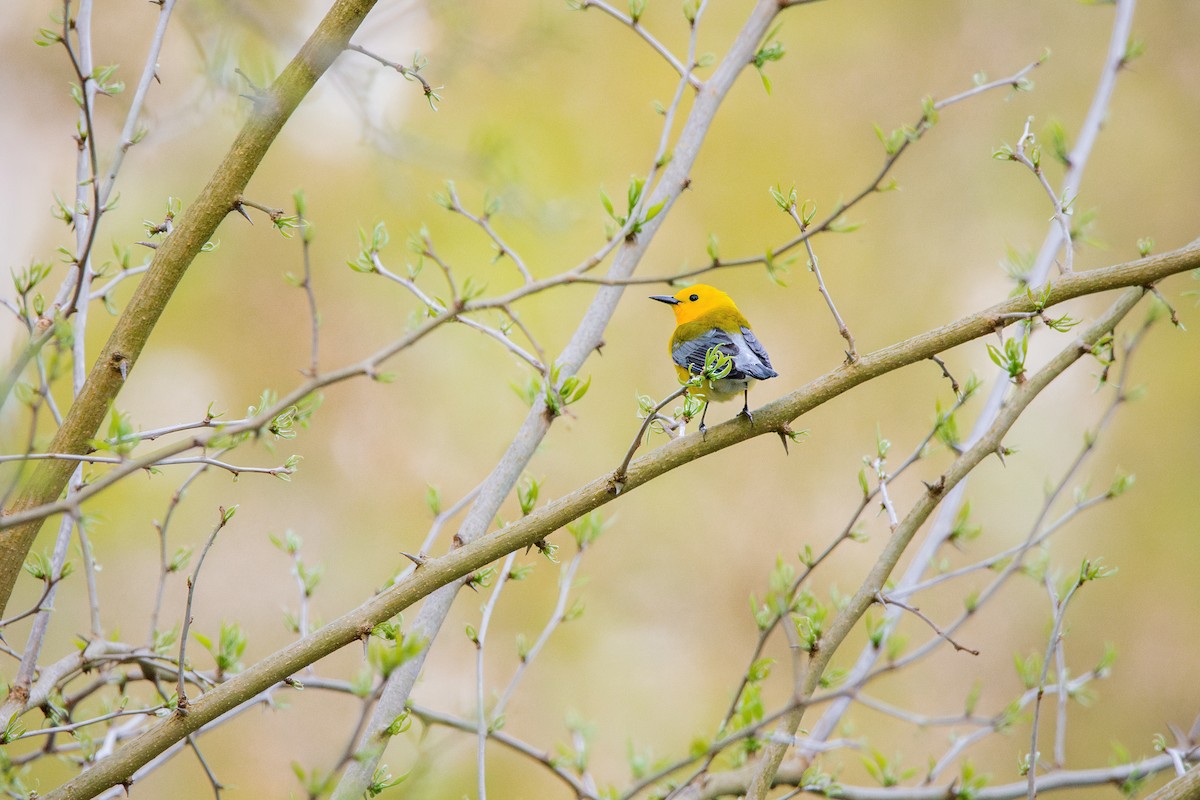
{"x":662,"y":298}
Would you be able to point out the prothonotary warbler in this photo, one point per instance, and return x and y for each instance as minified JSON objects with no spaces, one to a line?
{"x":706,"y":318}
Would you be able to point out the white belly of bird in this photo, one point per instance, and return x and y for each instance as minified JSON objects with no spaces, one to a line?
{"x":728,"y":388}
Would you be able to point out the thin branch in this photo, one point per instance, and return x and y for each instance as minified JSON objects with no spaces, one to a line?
{"x":89,"y":572}
{"x":565,"y":581}
{"x":412,"y":73}
{"x":88,"y":205}
{"x":734,"y":783}
{"x":647,"y":37}
{"x":33,"y":644}
{"x":164,"y":565}
{"x":1089,"y":132}
{"x":104,"y":291}
{"x":954,"y":387}
{"x":814,"y":266}
{"x":76,"y":726}
{"x":307,"y":284}
{"x":885,"y":600}
{"x":875,"y":185}
{"x":431,"y":717}
{"x":208,"y":773}
{"x":129,"y":133}
{"x":484,"y":222}
{"x":181,"y":691}
{"x":206,"y":461}
{"x":621,"y":471}
{"x":885,"y":500}
{"x":1061,"y":205}
{"x":1060,"y":609}
{"x":481,"y":723}
{"x":1060,"y":727}
{"x":439,"y":309}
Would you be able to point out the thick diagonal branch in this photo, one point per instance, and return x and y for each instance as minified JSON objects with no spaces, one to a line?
{"x":195,"y":228}
{"x":545,"y":521}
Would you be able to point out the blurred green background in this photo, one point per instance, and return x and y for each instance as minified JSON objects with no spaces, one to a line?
{"x":543,"y":107}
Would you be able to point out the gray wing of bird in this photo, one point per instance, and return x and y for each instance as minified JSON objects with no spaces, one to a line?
{"x":764,"y":369}
{"x":750,"y":360}
{"x":690,"y":354}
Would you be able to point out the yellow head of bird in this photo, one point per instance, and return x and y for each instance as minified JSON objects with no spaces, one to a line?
{"x":697,"y":301}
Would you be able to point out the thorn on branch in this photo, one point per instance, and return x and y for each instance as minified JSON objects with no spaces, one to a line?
{"x":241,"y":209}
{"x":420,"y":559}
{"x":120,"y":363}
{"x":241,"y":202}
{"x":785,"y":433}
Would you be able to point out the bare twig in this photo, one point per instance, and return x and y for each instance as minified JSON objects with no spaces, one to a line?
{"x":485,"y":224}
{"x":164,"y":565}
{"x":224,"y":515}
{"x":481,"y":719}
{"x":307,"y":285}
{"x":129,"y":133}
{"x":1027,"y":154}
{"x":412,"y":73}
{"x":621,"y":471}
{"x":885,"y":600}
{"x":814,"y":266}
{"x":565,"y":581}
{"x":431,"y":717}
{"x":684,"y":72}
{"x":208,"y":773}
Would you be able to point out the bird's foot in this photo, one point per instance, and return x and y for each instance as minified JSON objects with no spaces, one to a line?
{"x":745,"y":412}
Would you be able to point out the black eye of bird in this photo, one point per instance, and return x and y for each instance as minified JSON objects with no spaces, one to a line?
{"x":694,"y":298}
